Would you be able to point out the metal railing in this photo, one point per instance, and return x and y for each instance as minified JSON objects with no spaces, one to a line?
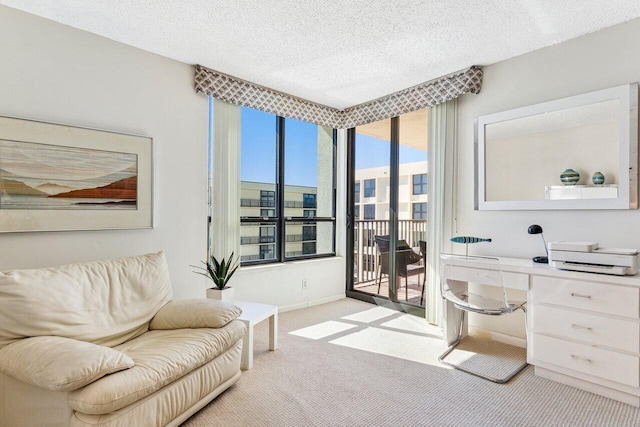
{"x":365,"y":231}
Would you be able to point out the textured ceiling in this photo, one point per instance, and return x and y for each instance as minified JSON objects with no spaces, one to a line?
{"x":336,"y":53}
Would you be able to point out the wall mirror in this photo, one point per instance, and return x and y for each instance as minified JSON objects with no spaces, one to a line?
{"x":521,"y":154}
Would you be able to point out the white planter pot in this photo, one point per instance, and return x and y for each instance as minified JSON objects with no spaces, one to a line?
{"x":225,"y":294}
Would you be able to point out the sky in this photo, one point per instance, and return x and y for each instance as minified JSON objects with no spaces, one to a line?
{"x":258,"y":150}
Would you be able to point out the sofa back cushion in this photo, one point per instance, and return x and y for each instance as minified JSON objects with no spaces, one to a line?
{"x":102,"y":302}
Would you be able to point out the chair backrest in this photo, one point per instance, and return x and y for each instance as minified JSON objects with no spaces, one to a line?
{"x":423,"y":248}
{"x":383,"y":243}
{"x":404,"y":254}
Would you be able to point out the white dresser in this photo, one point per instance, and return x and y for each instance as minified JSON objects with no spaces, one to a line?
{"x":583,"y":328}
{"x":585,"y":331}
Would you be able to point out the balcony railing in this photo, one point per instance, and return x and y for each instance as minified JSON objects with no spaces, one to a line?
{"x":365,"y":231}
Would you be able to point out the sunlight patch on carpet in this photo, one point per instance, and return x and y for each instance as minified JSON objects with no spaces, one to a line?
{"x":411,"y":323}
{"x":371,"y":315}
{"x":395,"y":344}
{"x":322,"y":330}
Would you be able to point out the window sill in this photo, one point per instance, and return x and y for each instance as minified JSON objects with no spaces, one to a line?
{"x":275,"y":265}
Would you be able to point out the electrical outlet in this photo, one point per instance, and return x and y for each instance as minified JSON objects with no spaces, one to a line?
{"x":304,"y":283}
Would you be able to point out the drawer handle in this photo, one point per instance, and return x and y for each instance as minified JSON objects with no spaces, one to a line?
{"x":573,"y":294}
{"x":581,"y":359}
{"x":584,"y":328}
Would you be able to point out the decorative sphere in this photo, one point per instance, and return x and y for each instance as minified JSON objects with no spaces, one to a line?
{"x":569,"y":177}
{"x":598,"y":178}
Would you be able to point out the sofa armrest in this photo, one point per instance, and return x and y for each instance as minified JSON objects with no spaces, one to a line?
{"x":194,"y":313}
{"x":60,"y":364}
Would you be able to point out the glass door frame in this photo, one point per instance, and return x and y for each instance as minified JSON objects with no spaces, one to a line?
{"x":394,"y":181}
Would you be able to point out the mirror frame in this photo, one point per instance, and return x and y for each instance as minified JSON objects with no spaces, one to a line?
{"x":628,"y":152}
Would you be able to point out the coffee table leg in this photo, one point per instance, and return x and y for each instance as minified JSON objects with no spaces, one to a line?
{"x":273,"y":332}
{"x":247,"y":349}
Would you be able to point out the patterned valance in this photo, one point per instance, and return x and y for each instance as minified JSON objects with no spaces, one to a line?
{"x":241,"y":92}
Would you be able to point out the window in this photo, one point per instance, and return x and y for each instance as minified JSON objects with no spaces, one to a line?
{"x":308,"y":248}
{"x":268,"y":198}
{"x":287,"y":168}
{"x":420,"y":184}
{"x":309,"y":201}
{"x":356,"y":193}
{"x":369,"y":211}
{"x":356,"y":212}
{"x":267,"y":252}
{"x":308,"y":232}
{"x":369,"y":188}
{"x":267,"y":234}
{"x":419,"y":211}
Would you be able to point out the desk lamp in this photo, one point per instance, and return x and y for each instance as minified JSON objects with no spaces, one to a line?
{"x":536,"y":229}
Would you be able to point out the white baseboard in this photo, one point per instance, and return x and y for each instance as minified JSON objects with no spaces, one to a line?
{"x":628,"y":398}
{"x":497,"y":336}
{"x":310,"y":303}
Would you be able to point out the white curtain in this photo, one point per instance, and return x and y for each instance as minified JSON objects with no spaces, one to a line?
{"x":225,"y":194}
{"x":440,"y":188}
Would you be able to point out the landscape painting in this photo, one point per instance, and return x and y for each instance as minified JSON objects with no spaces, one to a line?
{"x":56,"y":177}
{"x":37,"y":176}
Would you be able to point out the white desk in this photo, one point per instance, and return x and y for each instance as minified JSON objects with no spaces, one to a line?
{"x":583,"y":328}
{"x":252,"y":314}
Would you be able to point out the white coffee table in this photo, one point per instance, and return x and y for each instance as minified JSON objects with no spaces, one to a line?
{"x":252,"y":314}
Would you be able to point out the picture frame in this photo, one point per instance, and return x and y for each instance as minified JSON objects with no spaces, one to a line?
{"x":56,"y":177}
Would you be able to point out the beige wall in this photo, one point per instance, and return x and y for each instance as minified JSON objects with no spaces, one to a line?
{"x":55,"y":73}
{"x":52,"y":72}
{"x":596,"y":61}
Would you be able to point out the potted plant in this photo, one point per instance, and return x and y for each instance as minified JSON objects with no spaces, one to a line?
{"x":219,"y":272}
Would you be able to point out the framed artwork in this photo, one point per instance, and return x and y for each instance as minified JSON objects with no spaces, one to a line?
{"x":55,"y":177}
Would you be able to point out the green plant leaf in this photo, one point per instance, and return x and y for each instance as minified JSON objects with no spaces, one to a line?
{"x":219,"y":272}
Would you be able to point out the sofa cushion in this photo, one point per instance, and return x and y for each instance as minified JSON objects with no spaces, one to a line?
{"x":103,"y":302}
{"x":60,"y":364}
{"x":160,"y":357}
{"x":195,"y":313}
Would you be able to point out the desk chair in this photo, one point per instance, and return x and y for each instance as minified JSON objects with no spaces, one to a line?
{"x":466,"y":301}
{"x":406,"y":260}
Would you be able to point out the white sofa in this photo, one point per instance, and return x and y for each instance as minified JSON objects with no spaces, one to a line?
{"x":104,"y":344}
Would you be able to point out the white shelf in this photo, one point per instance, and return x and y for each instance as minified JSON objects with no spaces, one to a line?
{"x":570,"y":192}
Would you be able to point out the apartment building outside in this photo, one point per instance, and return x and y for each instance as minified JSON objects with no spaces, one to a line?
{"x":258,"y":241}
{"x":372,"y":192}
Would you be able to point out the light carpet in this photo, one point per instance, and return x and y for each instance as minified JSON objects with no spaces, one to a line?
{"x":490,"y":358}
{"x":349,"y":363}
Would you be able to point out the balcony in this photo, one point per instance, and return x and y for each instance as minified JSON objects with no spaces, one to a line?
{"x":366,"y":257}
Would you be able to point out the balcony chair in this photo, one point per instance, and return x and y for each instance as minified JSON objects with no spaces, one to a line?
{"x":406,"y":260}
{"x":423,"y":253}
{"x":457,"y":293}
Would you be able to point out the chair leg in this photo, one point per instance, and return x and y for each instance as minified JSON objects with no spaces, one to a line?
{"x":424,"y":283}
{"x":468,"y":371}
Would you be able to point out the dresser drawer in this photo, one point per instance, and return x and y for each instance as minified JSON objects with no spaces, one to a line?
{"x":598,"y":297}
{"x":610,"y":365}
{"x":487,"y":277}
{"x":587,"y":327}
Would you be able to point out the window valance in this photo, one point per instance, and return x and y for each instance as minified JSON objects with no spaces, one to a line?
{"x":240,"y":92}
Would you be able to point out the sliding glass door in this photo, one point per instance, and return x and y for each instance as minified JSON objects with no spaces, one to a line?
{"x":388,"y":203}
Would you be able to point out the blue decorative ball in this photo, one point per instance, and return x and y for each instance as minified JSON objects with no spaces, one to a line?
{"x":598,"y":178}
{"x":569,"y":177}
